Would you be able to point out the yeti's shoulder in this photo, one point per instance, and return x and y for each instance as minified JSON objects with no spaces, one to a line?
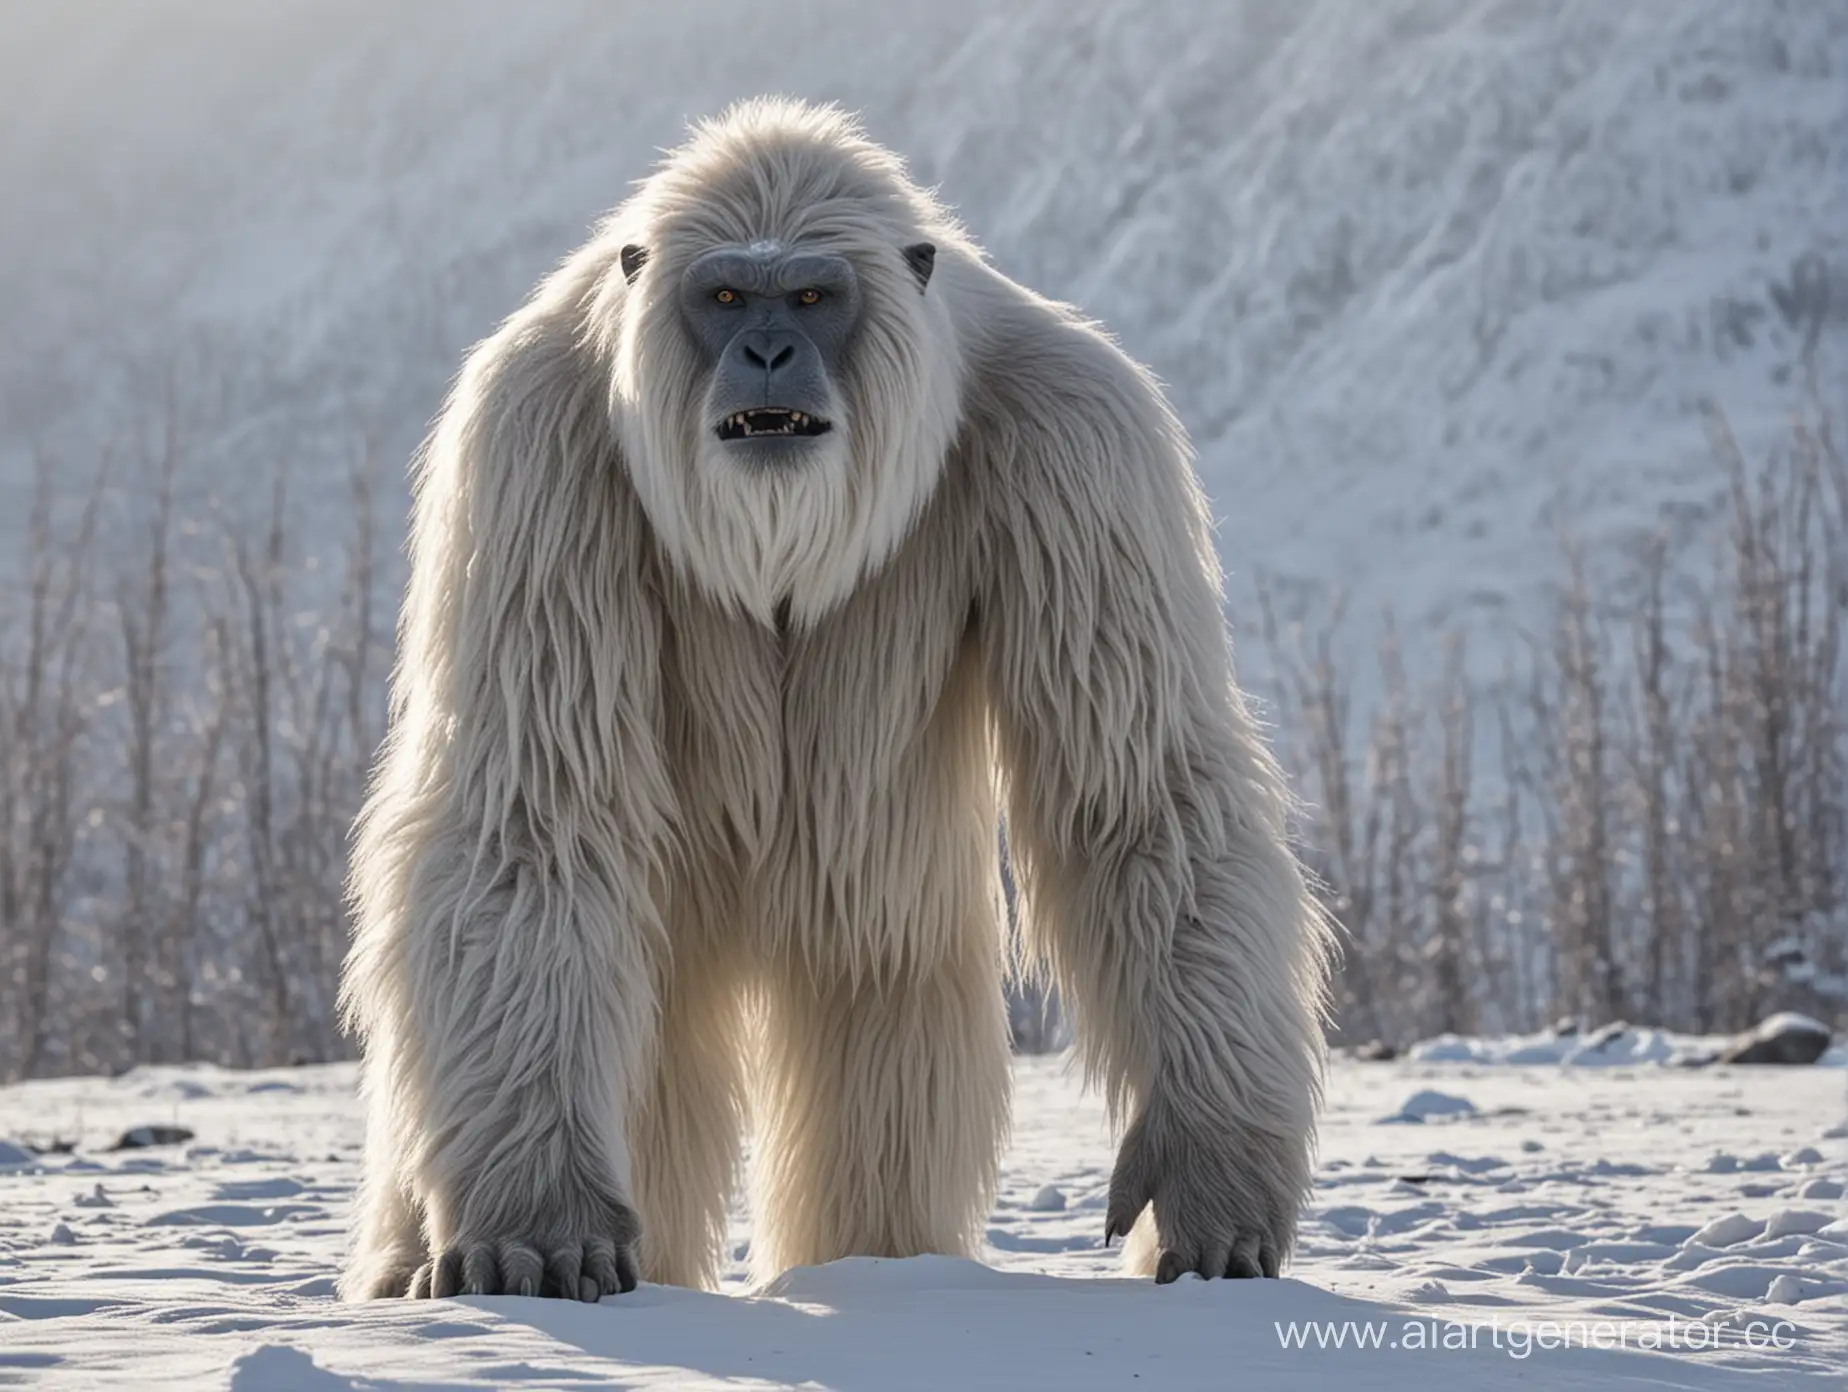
{"x":1049,"y":396}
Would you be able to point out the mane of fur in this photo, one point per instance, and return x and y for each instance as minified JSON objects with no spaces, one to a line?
{"x":800,"y":176}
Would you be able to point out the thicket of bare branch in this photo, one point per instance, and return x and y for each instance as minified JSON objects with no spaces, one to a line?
{"x":1661,"y":834}
{"x":187,"y":710}
{"x":1645,"y":818}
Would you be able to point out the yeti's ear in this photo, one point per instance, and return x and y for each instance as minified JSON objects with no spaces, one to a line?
{"x":633,"y":259}
{"x":922,"y":258}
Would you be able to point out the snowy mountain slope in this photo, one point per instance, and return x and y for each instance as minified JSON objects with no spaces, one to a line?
{"x":1428,"y":277}
{"x":1695,"y":1214}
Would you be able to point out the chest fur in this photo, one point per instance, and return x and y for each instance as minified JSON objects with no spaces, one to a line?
{"x":785,"y":743}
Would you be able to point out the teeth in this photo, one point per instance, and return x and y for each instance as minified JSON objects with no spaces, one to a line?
{"x":791,"y":423}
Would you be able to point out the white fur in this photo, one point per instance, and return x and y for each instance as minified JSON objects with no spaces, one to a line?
{"x":638,"y":864}
{"x":780,"y":175}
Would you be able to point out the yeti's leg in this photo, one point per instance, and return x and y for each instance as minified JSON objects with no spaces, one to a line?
{"x":1151,"y":822}
{"x":687,"y":1128}
{"x":881,"y":1111}
{"x":507,"y":864}
{"x":388,"y":1242}
{"x":499,"y":1110}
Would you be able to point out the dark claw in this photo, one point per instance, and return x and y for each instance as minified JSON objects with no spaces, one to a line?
{"x":1213,"y":1258}
{"x":562,"y":1268}
{"x":513,"y":1267}
{"x":1168,"y":1269}
{"x":1120,"y":1218}
{"x":480,"y":1272}
{"x":522,"y":1269}
{"x":1267,"y":1260}
{"x":602,"y":1267}
{"x":1244,"y":1263}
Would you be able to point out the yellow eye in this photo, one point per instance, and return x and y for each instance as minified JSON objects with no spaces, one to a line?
{"x":808,"y":297}
{"x":726,"y":297}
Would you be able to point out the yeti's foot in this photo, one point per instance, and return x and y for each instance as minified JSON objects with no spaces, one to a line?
{"x":568,"y":1270}
{"x":520,"y":1232}
{"x":1225,"y":1196}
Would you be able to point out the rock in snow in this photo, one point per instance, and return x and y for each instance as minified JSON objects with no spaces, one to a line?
{"x":1783,"y":1038}
{"x":142,"y":1137}
{"x":1428,"y":1103}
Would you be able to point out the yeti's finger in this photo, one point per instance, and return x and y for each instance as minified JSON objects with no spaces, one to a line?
{"x":522,"y":1269}
{"x":1132,"y":1185}
{"x":1169,"y":1268}
{"x":627,"y":1277}
{"x":600,"y":1265}
{"x":563,"y":1265}
{"x":1244,"y":1263}
{"x":1121,"y":1215}
{"x":446,"y":1275}
{"x":480,"y":1271}
{"x":1267,"y":1259}
{"x":1214,"y":1254}
{"x":419,"y":1287}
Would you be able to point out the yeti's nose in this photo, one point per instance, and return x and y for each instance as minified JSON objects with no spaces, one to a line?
{"x":767,"y":350}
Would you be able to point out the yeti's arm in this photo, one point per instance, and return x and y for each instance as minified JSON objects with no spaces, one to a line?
{"x":1145,"y":811}
{"x":500,"y":974}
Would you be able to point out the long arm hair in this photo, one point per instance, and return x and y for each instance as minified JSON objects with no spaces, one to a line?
{"x":1148,"y":817}
{"x":500,"y":973}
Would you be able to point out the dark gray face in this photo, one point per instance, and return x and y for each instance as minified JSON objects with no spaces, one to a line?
{"x":776,"y":326}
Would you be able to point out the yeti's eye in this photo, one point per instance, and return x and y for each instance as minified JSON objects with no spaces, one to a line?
{"x":726,"y":296}
{"x":808,"y":297}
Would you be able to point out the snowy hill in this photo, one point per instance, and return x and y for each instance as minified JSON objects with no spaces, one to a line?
{"x":1427,"y":277}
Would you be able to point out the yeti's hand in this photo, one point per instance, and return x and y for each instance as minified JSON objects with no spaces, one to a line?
{"x":1225,"y":1197}
{"x":581,"y":1248}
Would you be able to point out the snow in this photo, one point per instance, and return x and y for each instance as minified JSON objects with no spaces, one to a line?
{"x":1723,"y":1232}
{"x":1550,"y":1195}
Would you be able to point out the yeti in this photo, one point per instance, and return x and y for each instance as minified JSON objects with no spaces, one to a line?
{"x":766,"y":557}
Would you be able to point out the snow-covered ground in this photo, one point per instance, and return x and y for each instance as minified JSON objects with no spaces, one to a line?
{"x":1689,"y":1224}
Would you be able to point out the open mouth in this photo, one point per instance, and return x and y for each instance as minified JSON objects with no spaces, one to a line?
{"x":771,"y":422}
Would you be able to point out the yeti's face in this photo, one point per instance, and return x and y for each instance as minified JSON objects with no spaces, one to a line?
{"x":774,"y":328}
{"x":786,"y":404}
